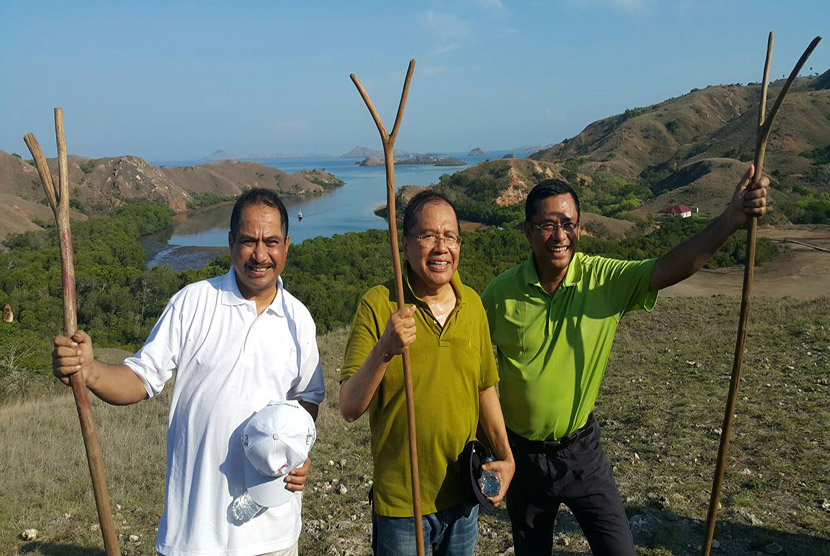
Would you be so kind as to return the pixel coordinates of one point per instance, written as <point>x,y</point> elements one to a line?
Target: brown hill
<point>17,215</point>
<point>593,224</point>
<point>320,177</point>
<point>821,82</point>
<point>108,182</point>
<point>19,178</point>
<point>504,182</point>
<point>103,183</point>
<point>705,126</point>
<point>801,125</point>
<point>628,143</point>
<point>706,185</point>
<point>230,177</point>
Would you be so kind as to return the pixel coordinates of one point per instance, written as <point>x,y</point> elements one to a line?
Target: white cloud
<point>443,49</point>
<point>444,26</point>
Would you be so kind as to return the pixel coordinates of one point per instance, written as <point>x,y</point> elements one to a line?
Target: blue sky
<point>177,80</point>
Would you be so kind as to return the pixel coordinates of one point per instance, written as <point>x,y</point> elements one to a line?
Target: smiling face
<point>432,265</point>
<point>258,252</point>
<point>553,251</point>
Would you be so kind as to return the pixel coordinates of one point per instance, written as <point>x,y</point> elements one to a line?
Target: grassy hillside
<point>661,407</point>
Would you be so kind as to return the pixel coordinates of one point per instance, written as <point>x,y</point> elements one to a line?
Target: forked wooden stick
<point>388,155</point>
<point>58,195</point>
<point>764,124</point>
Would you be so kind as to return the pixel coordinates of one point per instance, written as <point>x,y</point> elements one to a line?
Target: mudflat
<point>799,271</point>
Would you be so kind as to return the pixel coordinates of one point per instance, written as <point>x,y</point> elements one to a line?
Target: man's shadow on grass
<point>683,536</point>
<point>59,549</point>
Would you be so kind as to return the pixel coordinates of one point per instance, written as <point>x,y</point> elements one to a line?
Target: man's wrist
<point>92,375</point>
<point>386,355</point>
<point>730,219</point>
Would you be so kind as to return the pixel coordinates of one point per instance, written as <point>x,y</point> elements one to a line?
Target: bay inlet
<point>198,237</point>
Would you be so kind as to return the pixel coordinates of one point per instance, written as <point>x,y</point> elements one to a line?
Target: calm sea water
<point>198,237</point>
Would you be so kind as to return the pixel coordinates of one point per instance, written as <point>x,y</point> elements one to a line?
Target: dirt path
<point>798,271</point>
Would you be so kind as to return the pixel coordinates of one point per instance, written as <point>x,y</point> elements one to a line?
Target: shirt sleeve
<point>487,302</point>
<point>364,334</point>
<point>629,282</point>
<point>157,360</point>
<point>311,386</point>
<point>489,372</point>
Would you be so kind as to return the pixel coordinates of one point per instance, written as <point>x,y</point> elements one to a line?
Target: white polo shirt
<point>229,363</point>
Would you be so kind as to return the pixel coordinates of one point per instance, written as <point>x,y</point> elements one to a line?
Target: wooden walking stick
<point>58,196</point>
<point>388,155</point>
<point>764,125</point>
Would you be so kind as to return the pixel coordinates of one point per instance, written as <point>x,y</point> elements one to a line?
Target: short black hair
<point>258,196</point>
<point>545,189</point>
<point>416,205</point>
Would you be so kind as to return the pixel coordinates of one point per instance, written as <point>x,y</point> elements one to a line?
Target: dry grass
<point>662,399</point>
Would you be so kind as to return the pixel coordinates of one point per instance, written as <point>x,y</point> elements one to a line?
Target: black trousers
<point>578,475</point>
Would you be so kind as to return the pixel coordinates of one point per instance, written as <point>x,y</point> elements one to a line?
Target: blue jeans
<point>451,532</point>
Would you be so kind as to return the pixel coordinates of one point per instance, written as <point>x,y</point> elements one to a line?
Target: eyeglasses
<point>550,228</point>
<point>430,240</point>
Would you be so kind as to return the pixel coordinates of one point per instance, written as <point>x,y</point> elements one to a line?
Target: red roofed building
<point>681,211</point>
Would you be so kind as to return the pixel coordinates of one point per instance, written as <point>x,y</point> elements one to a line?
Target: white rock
<point>29,534</point>
<point>343,489</point>
<point>133,538</point>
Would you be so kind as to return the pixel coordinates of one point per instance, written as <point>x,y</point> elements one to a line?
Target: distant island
<point>427,160</point>
<point>476,152</point>
<point>365,152</point>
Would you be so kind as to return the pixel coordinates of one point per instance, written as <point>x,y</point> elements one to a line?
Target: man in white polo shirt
<point>234,344</point>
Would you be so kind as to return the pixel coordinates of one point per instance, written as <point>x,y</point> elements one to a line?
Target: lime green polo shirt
<point>553,349</point>
<point>450,365</point>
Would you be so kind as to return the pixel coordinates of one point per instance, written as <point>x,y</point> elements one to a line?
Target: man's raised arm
<point>115,384</point>
<point>748,200</point>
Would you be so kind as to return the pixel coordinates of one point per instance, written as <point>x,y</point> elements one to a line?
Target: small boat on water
<point>300,215</point>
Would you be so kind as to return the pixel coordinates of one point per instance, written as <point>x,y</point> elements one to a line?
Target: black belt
<point>550,446</point>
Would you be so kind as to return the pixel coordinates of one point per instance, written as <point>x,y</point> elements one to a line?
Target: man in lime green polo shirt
<point>553,320</point>
<point>453,374</point>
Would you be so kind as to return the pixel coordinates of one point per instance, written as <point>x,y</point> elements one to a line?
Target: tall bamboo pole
<point>764,125</point>
<point>58,195</point>
<point>388,141</point>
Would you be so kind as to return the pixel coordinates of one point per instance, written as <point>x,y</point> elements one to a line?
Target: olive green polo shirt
<point>450,365</point>
<point>553,349</point>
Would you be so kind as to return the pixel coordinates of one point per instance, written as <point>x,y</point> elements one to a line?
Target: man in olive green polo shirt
<point>453,374</point>
<point>553,320</point>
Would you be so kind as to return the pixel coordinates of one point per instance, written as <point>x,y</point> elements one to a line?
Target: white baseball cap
<point>276,440</point>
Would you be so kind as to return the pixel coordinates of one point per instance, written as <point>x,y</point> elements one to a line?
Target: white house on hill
<point>681,211</point>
